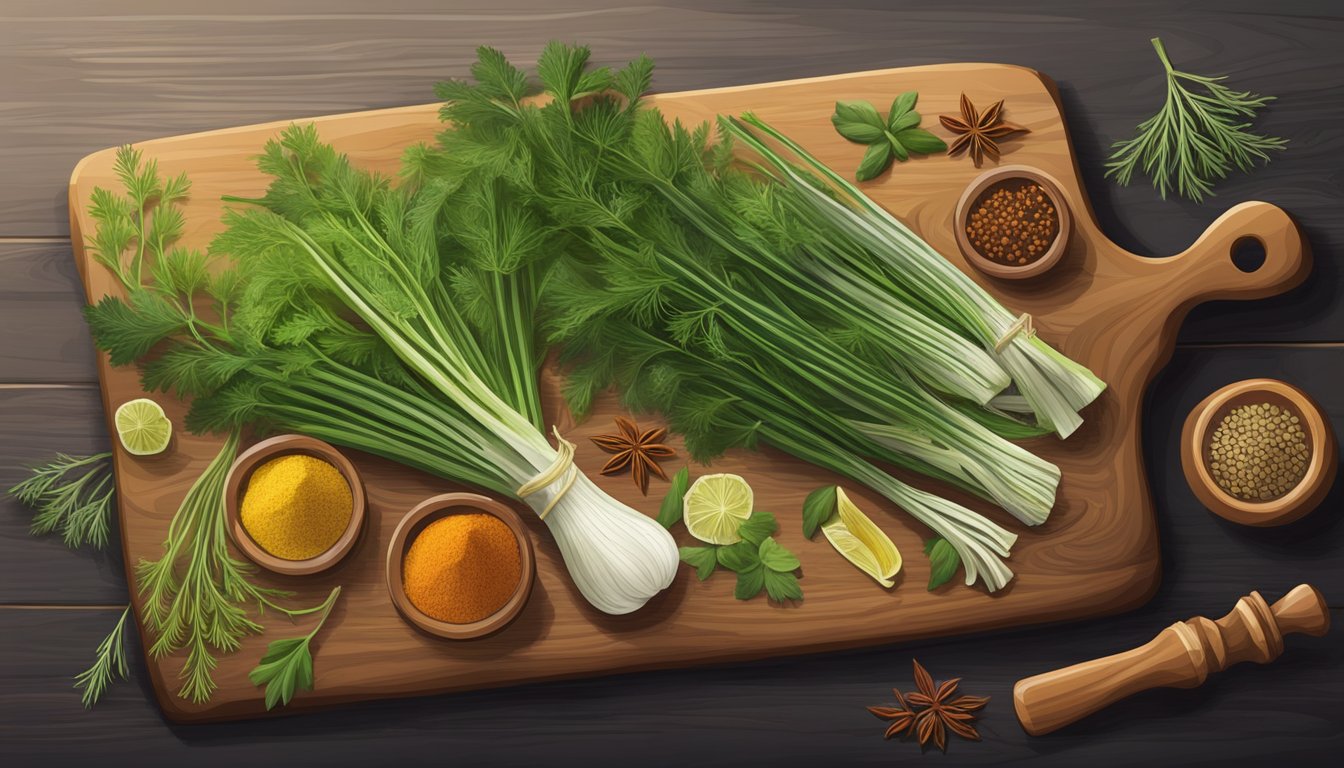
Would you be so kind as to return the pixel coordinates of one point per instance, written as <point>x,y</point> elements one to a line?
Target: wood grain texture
<point>43,336</point>
<point>85,74</point>
<point>146,68</point>
<point>1114,312</point>
<point>787,712</point>
<point>1181,656</point>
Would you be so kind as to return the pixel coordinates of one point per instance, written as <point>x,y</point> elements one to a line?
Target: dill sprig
<point>73,496</point>
<point>1197,137</point>
<point>109,661</point>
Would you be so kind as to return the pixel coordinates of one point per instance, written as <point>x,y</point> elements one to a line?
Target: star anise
<point>638,450</point>
<point>932,712</point>
<point>980,131</point>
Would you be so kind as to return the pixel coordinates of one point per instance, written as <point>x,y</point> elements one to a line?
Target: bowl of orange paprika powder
<point>460,566</point>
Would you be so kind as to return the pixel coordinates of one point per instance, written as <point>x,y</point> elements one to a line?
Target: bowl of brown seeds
<point>1013,222</point>
<point>1258,452</point>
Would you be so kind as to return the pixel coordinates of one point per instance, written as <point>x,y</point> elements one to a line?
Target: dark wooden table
<point>81,75</point>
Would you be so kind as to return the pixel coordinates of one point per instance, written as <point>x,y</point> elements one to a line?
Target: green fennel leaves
<point>1199,135</point>
<point>895,138</point>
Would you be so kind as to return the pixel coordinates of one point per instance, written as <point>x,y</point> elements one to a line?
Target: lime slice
<point>142,427</point>
<point>861,542</point>
<point>715,506</point>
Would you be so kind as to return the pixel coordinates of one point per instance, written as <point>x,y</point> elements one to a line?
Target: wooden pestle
<point>1181,656</point>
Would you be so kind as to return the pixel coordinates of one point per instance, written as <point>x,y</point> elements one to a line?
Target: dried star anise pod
<point>932,712</point>
<point>980,131</point>
<point>640,451</point>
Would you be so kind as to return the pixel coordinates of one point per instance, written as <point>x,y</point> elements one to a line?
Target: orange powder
<point>462,568</point>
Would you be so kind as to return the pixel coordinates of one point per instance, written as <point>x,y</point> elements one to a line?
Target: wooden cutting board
<point>1098,553</point>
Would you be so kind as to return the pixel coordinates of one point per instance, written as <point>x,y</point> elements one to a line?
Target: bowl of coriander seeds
<point>1258,452</point>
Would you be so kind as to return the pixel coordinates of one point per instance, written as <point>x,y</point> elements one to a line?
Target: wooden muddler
<point>1181,656</point>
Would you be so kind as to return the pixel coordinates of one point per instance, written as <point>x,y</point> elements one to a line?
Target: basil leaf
<point>749,583</point>
<point>702,559</point>
<point>920,141</point>
<point>858,121</point>
<point>908,120</point>
<point>900,109</point>
<point>782,586</point>
<point>817,509</point>
<point>943,561</point>
<point>776,558</point>
<point>874,162</point>
<point>674,502</point>
<point>739,557</point>
<point>898,148</point>
<point>757,528</point>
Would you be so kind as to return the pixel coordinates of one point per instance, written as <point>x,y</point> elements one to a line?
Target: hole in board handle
<point>1248,253</point>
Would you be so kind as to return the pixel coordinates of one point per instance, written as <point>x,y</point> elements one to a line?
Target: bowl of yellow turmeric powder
<point>460,566</point>
<point>294,505</point>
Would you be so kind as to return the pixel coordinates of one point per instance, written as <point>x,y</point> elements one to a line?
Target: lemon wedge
<point>861,542</point>
<point>715,506</point>
<point>142,426</point>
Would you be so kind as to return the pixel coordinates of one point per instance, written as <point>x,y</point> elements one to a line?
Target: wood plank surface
<point>40,301</point>
<point>1110,310</point>
<point>85,74</point>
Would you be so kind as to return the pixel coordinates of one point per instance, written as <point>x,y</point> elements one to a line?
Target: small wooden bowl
<point>236,485</point>
<point>415,521</point>
<point>1010,176</point>
<point>1309,491</point>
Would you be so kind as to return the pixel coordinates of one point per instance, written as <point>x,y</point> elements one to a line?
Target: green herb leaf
<point>109,662</point>
<point>920,141</point>
<point>749,583</point>
<point>900,112</point>
<point>775,557</point>
<point>875,160</point>
<point>781,586</point>
<point>907,120</point>
<point>943,561</point>
<point>739,557</point>
<point>286,667</point>
<point>669,514</point>
<point>702,559</point>
<point>858,121</point>
<point>897,148</point>
<point>757,528</point>
<point>817,509</point>
<point>1201,132</point>
<point>126,331</point>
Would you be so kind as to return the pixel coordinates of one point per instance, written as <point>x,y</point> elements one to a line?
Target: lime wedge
<point>142,427</point>
<point>861,542</point>
<point>715,506</point>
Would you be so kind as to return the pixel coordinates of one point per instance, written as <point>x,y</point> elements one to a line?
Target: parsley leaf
<point>740,557</point>
<point>781,586</point>
<point>817,509</point>
<point>669,514</point>
<point>702,559</point>
<point>749,583</point>
<point>757,528</point>
<point>776,558</point>
<point>943,561</point>
<point>287,666</point>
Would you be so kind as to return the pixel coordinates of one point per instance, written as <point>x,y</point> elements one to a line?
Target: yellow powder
<point>462,568</point>
<point>296,506</point>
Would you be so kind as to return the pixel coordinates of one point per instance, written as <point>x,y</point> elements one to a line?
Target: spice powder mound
<point>296,507</point>
<point>462,568</point>
<point>1259,452</point>
<point>1013,226</point>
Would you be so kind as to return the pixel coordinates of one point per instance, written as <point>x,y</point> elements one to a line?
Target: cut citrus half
<point>143,428</point>
<point>861,542</point>
<point>715,506</point>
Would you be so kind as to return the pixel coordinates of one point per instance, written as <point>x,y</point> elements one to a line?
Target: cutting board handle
<point>1206,270</point>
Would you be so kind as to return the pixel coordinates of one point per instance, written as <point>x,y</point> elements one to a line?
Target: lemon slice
<point>861,542</point>
<point>143,428</point>
<point>715,506</point>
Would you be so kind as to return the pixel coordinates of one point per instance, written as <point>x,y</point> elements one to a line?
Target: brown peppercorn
<point>1013,225</point>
